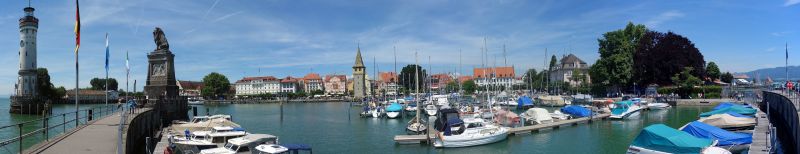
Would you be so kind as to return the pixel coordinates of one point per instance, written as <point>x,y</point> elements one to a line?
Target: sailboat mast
<point>416,83</point>
<point>395,72</point>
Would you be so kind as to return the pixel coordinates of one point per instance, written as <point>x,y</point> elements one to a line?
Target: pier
<point>98,136</point>
<point>778,124</point>
<point>412,139</point>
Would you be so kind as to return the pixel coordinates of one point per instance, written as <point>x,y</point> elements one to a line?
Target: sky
<point>292,38</point>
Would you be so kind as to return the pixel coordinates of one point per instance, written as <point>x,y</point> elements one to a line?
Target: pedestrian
<point>186,133</point>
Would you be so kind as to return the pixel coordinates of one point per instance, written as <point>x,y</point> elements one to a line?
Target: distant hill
<point>777,73</point>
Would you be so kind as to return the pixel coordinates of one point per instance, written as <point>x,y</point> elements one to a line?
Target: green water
<point>336,128</point>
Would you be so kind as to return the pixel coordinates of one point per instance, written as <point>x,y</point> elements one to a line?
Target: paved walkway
<point>99,136</point>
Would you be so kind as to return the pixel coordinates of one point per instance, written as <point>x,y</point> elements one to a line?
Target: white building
<point>563,72</point>
<point>335,84</point>
<point>312,82</point>
<point>497,76</point>
<point>257,85</point>
<point>289,85</point>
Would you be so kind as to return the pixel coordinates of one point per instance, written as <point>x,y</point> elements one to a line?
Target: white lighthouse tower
<point>28,26</point>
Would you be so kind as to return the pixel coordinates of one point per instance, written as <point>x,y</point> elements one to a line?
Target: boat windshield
<point>231,147</point>
<point>474,125</point>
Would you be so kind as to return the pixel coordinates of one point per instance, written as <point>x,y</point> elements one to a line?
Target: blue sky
<point>279,38</point>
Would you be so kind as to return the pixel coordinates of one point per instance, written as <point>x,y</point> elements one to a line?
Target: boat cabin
<point>449,122</point>
<point>221,134</point>
<point>243,144</point>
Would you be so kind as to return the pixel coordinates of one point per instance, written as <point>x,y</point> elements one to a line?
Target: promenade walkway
<point>99,136</point>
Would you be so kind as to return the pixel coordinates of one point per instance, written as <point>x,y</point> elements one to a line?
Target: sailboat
<point>416,125</point>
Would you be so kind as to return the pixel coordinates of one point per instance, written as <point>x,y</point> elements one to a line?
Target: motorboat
<point>537,116</point>
<point>431,109</point>
<point>624,109</point>
<point>558,115</point>
<point>204,123</point>
<point>200,140</point>
<point>411,108</point>
<point>730,121</point>
<point>195,101</point>
<point>734,142</point>
<point>658,106</point>
<point>222,134</point>
<point>729,104</point>
<point>553,100</point>
<point>198,119</point>
<point>242,145</point>
<point>440,100</point>
<point>270,149</point>
<point>393,110</point>
<point>369,111</point>
<point>576,111</point>
<point>662,139</point>
<point>455,132</point>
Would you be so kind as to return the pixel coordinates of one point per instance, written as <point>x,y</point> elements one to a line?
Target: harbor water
<point>337,128</point>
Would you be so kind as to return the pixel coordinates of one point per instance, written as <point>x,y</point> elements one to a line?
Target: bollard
<point>64,117</point>
<point>89,115</point>
<point>45,128</point>
<point>20,138</point>
<point>194,111</point>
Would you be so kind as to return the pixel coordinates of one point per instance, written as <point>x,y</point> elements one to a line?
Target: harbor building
<point>312,82</point>
<point>387,83</point>
<point>359,78</point>
<point>91,96</point>
<point>257,85</point>
<point>495,76</point>
<point>335,85</point>
<point>190,88</point>
<point>290,85</point>
<point>569,64</point>
<point>439,81</point>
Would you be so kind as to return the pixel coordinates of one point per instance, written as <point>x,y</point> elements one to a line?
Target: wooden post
<point>21,138</point>
<point>45,128</point>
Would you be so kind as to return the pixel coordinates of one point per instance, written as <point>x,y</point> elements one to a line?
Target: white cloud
<point>664,17</point>
<point>791,2</point>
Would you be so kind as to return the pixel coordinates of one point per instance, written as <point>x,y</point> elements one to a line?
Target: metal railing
<point>43,125</point>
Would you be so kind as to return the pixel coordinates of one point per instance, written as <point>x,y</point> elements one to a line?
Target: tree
<point>712,71</point>
<point>407,78</point>
<point>452,86</point>
<point>214,85</point>
<point>43,85</point>
<point>553,62</point>
<point>578,76</point>
<point>727,77</point>
<point>100,84</point>
<point>532,78</point>
<point>686,81</point>
<point>662,55</point>
<point>615,67</point>
<point>469,87</point>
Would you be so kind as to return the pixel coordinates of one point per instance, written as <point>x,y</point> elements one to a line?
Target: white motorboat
<point>453,132</point>
<point>558,115</point>
<point>270,149</point>
<point>200,140</point>
<point>242,145</point>
<point>393,110</point>
<point>440,100</point>
<point>624,109</point>
<point>537,116</point>
<point>195,101</point>
<point>553,100</point>
<point>411,108</point>
<point>658,106</point>
<point>431,109</point>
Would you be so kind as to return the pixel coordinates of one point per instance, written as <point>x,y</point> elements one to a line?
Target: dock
<point>760,134</point>
<point>415,139</point>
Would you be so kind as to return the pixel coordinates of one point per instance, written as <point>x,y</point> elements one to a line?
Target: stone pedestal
<point>161,75</point>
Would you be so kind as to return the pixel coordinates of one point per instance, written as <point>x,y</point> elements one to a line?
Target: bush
<point>710,91</point>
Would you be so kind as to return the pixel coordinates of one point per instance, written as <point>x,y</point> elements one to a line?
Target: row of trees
<point>638,56</point>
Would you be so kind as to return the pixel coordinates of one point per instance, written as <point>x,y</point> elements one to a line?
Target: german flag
<point>77,27</point>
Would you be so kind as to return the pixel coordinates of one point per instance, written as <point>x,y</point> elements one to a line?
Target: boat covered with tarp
<point>729,104</point>
<point>729,140</point>
<point>205,125</point>
<point>729,122</point>
<point>576,111</point>
<point>735,109</point>
<point>524,102</point>
<point>394,107</point>
<point>660,138</point>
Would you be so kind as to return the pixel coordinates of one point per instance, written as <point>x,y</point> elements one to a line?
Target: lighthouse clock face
<point>21,43</point>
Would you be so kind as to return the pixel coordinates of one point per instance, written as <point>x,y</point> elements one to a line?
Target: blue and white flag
<point>107,53</point>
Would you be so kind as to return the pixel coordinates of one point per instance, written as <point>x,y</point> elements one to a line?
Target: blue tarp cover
<point>723,137</point>
<point>577,111</point>
<point>663,138</point>
<point>735,108</point>
<point>524,101</point>
<point>728,104</point>
<point>394,107</point>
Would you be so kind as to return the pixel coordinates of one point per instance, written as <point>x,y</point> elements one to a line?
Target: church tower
<point>28,27</point>
<point>359,87</point>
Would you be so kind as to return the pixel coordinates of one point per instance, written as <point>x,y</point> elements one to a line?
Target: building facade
<point>290,85</point>
<point>257,85</point>
<point>494,76</point>
<point>439,81</point>
<point>312,82</point>
<point>190,88</point>
<point>567,66</point>
<point>335,84</point>
<point>359,78</point>
<point>387,83</point>
<point>28,27</point>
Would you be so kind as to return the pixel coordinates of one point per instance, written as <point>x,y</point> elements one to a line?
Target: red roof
<point>263,78</point>
<point>191,84</point>
<point>388,76</point>
<point>312,76</point>
<point>341,77</point>
<point>500,72</point>
<point>288,79</point>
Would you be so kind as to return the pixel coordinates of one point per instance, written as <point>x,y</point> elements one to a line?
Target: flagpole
<point>77,46</point>
<point>106,70</point>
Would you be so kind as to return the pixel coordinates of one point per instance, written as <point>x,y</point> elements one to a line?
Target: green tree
<point>615,67</point>
<point>452,86</point>
<point>727,77</point>
<point>532,78</point>
<point>712,70</point>
<point>100,84</point>
<point>43,85</point>
<point>407,78</point>
<point>686,81</point>
<point>661,55</point>
<point>215,85</point>
<point>553,62</point>
<point>469,87</point>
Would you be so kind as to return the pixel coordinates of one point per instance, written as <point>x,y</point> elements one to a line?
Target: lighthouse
<point>28,27</point>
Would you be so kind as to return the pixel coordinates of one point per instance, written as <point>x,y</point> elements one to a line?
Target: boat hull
<point>625,115</point>
<point>393,114</point>
<point>469,142</point>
